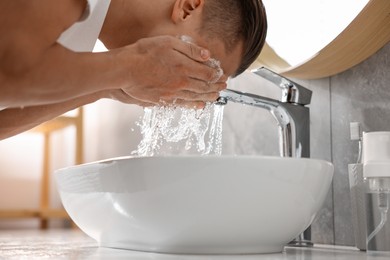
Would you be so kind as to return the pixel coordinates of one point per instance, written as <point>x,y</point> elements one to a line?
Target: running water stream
<point>162,126</point>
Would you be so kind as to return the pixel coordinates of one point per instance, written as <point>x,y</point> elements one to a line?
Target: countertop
<point>73,244</point>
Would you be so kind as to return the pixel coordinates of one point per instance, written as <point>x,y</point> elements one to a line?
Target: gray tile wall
<point>360,94</point>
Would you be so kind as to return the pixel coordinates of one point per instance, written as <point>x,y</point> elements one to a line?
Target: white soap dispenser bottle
<point>376,172</point>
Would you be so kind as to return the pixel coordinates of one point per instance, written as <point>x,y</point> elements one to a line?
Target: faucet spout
<point>291,92</point>
<point>291,114</point>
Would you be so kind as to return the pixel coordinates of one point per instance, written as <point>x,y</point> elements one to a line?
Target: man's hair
<point>234,21</point>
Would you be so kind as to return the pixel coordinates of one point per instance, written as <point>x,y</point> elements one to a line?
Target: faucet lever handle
<point>291,92</point>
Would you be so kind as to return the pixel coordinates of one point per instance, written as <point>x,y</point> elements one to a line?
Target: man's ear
<point>184,9</point>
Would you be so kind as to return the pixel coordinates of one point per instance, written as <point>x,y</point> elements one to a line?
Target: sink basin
<point>195,205</point>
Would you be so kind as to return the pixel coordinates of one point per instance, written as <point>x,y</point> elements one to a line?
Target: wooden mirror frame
<point>364,36</point>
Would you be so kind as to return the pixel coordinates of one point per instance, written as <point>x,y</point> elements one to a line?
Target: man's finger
<point>191,50</point>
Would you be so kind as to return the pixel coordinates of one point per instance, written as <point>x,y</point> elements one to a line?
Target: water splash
<point>162,126</point>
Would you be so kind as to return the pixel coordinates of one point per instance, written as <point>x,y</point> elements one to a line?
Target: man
<point>42,75</point>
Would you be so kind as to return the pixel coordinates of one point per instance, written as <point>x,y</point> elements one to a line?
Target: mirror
<point>298,29</point>
<point>319,38</point>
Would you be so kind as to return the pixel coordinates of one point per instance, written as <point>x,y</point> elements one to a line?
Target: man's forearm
<point>17,120</point>
<point>61,75</point>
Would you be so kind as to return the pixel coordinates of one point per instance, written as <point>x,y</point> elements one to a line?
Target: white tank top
<point>82,36</point>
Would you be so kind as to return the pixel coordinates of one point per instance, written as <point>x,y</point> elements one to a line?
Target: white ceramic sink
<point>195,205</point>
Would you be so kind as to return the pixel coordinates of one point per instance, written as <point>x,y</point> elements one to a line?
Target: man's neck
<point>128,21</point>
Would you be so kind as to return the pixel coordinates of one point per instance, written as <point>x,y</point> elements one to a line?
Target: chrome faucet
<point>292,117</point>
<point>291,114</point>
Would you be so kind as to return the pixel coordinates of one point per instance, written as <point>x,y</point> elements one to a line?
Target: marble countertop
<point>73,244</point>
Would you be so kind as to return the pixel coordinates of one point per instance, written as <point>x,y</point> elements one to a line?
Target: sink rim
<point>176,157</point>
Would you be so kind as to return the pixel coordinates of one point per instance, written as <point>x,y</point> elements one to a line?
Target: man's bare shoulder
<point>28,28</point>
<point>46,19</point>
